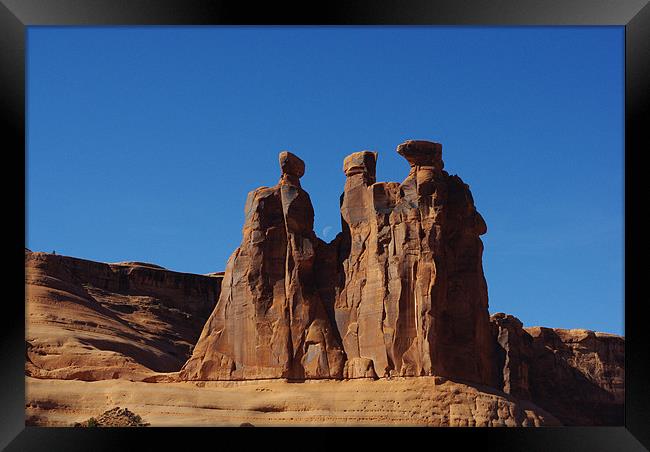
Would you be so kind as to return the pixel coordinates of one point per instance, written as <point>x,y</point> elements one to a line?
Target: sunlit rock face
<point>400,292</point>
<point>410,292</point>
<point>92,321</point>
<point>269,321</point>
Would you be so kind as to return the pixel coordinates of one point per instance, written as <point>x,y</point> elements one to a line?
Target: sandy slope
<point>423,401</point>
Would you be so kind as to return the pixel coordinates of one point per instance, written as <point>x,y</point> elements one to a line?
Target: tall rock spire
<point>412,298</point>
<point>269,321</point>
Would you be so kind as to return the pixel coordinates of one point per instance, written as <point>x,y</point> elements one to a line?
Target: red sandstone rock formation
<point>412,298</point>
<point>513,355</point>
<point>269,321</point>
<point>91,321</point>
<point>578,375</point>
<point>402,285</point>
<point>399,292</point>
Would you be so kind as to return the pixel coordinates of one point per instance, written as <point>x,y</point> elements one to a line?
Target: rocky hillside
<point>91,321</point>
<point>578,375</point>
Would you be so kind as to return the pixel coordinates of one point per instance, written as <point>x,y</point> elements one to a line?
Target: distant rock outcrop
<point>578,375</point>
<point>92,321</point>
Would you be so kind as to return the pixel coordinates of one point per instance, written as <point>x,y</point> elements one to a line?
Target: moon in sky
<point>327,232</point>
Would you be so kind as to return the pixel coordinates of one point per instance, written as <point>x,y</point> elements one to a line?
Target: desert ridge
<point>93,321</point>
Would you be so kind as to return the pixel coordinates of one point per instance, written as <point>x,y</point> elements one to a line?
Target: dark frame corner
<point>17,15</point>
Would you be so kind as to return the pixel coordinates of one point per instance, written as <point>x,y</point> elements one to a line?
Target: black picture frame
<point>634,15</point>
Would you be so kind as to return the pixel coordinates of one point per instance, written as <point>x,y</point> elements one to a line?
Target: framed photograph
<point>374,214</point>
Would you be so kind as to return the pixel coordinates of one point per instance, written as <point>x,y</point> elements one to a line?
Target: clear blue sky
<point>144,142</point>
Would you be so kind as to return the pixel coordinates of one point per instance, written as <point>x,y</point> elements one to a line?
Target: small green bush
<point>92,422</point>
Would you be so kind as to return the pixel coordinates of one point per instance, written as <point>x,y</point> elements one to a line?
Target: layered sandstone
<point>89,320</point>
<point>578,375</point>
<point>423,401</point>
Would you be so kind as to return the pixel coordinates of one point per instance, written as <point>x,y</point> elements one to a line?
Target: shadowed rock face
<point>270,321</point>
<point>513,355</point>
<point>411,296</point>
<point>578,375</point>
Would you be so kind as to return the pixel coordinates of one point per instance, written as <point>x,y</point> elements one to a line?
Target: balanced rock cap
<point>363,162</point>
<point>421,153</point>
<point>291,164</point>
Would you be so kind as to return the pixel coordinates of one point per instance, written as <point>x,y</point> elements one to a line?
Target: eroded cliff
<point>578,375</point>
<point>92,321</point>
